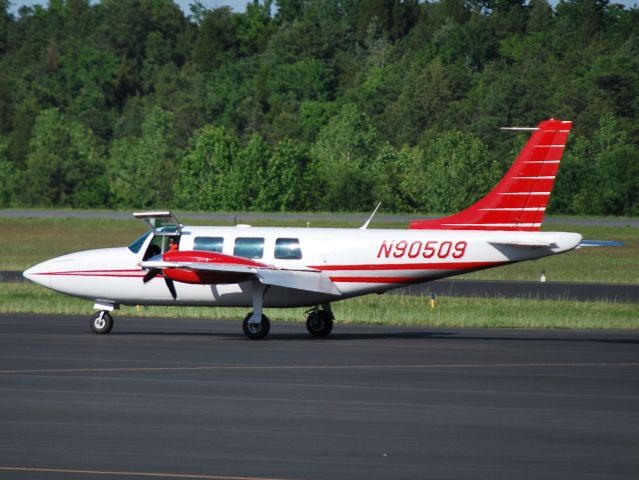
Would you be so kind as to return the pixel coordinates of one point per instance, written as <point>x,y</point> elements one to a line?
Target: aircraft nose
<point>37,273</point>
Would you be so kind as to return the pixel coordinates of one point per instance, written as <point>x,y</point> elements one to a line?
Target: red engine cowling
<point>205,277</point>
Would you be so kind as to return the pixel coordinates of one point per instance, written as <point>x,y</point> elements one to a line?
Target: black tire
<point>319,323</point>
<point>255,331</point>
<point>101,322</point>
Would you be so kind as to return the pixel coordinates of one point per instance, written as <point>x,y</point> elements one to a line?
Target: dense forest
<point>313,104</point>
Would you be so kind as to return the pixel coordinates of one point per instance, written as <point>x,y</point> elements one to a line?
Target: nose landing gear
<point>101,322</point>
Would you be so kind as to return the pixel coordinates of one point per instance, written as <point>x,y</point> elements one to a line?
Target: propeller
<point>171,286</point>
<point>154,272</point>
<point>151,274</point>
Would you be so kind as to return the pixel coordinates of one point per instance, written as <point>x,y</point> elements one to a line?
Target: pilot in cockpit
<point>173,245</point>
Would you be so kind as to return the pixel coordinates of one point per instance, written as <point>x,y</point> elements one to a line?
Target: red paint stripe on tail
<point>526,186</point>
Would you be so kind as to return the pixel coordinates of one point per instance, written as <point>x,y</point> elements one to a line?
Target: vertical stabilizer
<point>519,200</point>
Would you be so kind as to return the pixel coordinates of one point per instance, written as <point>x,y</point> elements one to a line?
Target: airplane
<point>259,267</point>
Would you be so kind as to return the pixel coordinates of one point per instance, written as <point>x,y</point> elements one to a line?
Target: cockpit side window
<point>138,242</point>
<point>154,248</point>
<point>161,244</point>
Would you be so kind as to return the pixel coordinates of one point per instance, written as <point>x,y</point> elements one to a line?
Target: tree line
<point>305,105</point>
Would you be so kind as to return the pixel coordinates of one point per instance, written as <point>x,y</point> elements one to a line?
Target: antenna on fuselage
<point>365,226</point>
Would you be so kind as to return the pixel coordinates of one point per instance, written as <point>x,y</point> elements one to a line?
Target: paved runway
<point>193,399</point>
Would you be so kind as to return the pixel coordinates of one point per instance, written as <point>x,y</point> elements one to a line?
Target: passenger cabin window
<point>209,244</point>
<point>249,247</point>
<point>288,249</point>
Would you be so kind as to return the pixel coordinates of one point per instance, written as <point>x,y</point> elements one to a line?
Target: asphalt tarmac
<point>161,398</point>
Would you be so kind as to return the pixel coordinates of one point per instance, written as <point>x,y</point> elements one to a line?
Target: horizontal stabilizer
<point>600,243</point>
<point>523,242</point>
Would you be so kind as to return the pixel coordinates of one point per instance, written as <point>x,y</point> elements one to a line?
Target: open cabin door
<point>164,226</point>
<point>162,223</point>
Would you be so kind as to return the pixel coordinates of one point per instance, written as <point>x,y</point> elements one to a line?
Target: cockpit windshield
<point>137,244</point>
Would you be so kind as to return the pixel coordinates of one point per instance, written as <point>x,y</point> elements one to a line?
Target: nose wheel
<point>101,322</point>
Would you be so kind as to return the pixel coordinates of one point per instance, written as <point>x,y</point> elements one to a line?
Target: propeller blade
<point>151,274</point>
<point>171,287</point>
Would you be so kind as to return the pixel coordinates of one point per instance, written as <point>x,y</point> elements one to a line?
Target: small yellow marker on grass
<point>432,300</point>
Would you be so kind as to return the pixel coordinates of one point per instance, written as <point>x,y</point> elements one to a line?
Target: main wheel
<point>256,331</point>
<point>319,323</point>
<point>101,322</point>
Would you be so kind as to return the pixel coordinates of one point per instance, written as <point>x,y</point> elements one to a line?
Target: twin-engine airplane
<point>243,266</point>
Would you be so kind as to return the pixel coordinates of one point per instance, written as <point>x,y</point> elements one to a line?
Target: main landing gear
<point>256,330</point>
<point>319,323</point>
<point>256,325</point>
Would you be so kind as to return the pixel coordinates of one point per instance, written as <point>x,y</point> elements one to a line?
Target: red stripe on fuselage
<point>97,273</point>
<point>410,266</point>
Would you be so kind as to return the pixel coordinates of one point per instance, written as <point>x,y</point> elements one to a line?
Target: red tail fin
<point>518,201</point>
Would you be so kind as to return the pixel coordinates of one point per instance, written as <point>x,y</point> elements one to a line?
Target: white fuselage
<point>357,261</point>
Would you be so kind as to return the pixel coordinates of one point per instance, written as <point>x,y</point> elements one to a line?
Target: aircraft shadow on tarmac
<point>395,335</point>
<point>274,337</point>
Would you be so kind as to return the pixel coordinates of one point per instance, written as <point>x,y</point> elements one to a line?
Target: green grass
<point>371,309</point>
<point>590,264</point>
<point>29,241</point>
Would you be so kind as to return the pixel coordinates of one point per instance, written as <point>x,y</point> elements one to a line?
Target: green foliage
<point>216,36</point>
<point>600,174</point>
<point>141,169</point>
<point>5,176</point>
<point>247,175</point>
<point>64,165</point>
<point>283,183</point>
<point>351,101</point>
<point>342,159</point>
<point>453,171</point>
<point>202,180</point>
<point>422,102</point>
<point>387,170</point>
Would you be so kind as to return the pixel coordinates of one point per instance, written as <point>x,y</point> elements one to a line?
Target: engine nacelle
<point>203,277</point>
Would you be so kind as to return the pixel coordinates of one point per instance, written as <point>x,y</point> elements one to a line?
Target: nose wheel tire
<point>319,323</point>
<point>256,331</point>
<point>101,322</point>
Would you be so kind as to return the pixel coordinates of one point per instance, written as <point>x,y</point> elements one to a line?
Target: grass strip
<point>371,309</point>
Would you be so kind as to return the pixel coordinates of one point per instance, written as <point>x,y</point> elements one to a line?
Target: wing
<point>218,268</point>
